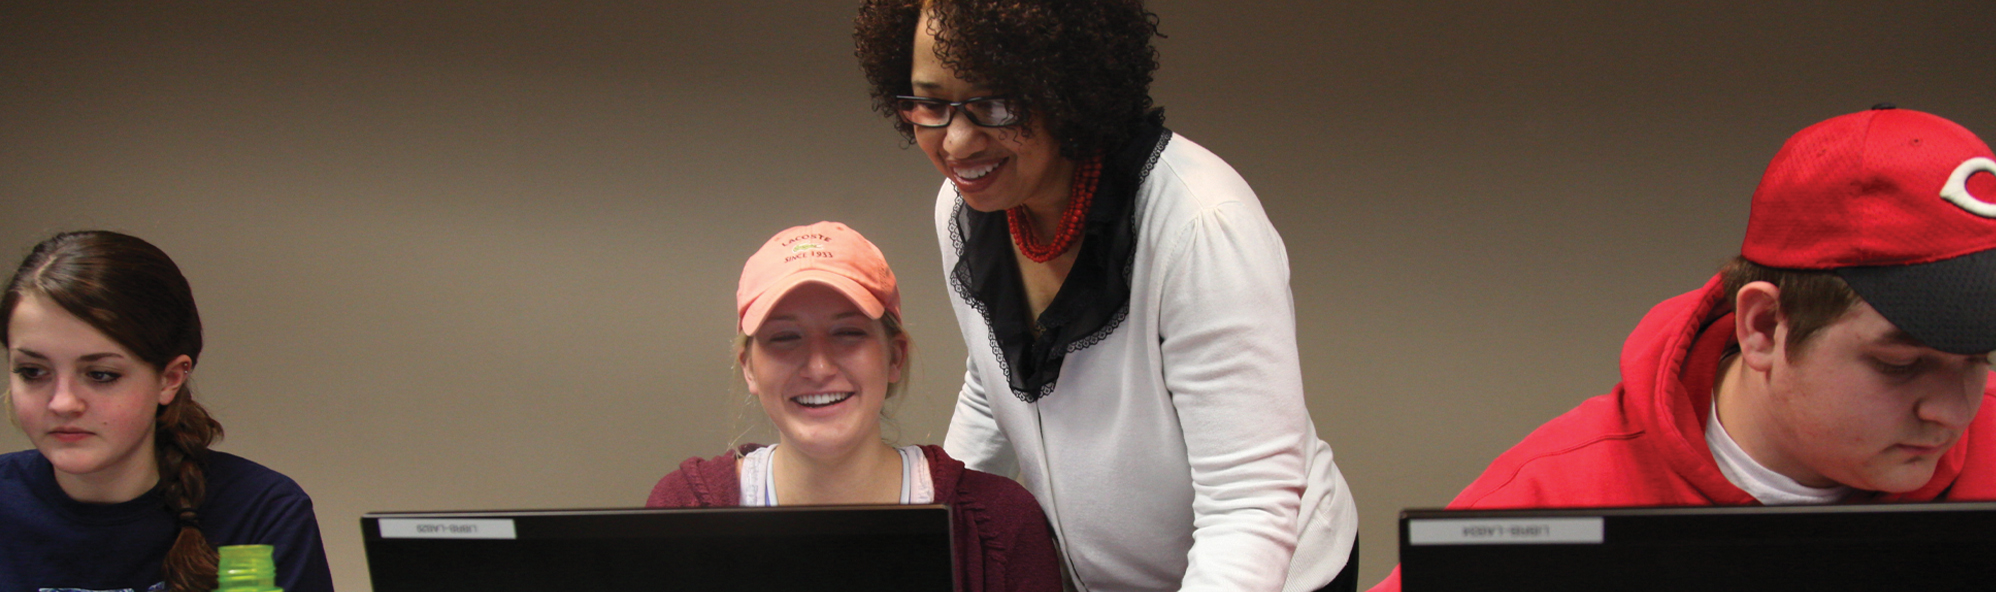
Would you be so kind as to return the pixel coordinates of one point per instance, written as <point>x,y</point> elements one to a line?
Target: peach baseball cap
<point>828,253</point>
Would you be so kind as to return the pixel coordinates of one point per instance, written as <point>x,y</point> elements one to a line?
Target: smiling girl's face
<point>86,402</point>
<point>821,368</point>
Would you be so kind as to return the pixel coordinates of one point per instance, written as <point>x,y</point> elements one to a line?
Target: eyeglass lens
<point>989,112</point>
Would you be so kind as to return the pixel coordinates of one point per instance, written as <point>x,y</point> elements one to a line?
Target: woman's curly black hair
<point>1083,66</point>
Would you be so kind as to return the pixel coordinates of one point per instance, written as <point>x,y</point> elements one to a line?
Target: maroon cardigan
<point>1002,539</point>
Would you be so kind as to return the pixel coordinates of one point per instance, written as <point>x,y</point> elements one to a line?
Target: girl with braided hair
<point>121,491</point>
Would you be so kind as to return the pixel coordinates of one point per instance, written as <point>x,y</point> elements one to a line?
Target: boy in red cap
<point>1842,357</point>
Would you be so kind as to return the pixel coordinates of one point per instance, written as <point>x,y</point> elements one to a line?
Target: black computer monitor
<point>1933,546</point>
<point>783,548</point>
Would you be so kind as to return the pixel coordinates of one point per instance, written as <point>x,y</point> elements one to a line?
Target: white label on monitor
<point>1504,531</point>
<point>431,528</point>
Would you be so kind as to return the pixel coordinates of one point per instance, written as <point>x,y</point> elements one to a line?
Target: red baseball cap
<point>828,253</point>
<point>1902,205</point>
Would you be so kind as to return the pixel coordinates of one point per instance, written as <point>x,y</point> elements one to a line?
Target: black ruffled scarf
<point>1094,298</point>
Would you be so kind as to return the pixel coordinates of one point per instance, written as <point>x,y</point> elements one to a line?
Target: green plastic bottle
<point>246,568</point>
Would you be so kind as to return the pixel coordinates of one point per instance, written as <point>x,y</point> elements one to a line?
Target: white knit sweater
<point>1177,453</point>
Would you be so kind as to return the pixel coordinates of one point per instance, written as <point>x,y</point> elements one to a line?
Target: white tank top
<point>759,478</point>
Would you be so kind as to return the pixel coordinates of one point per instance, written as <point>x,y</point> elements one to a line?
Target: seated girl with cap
<point>121,491</point>
<point>822,349</point>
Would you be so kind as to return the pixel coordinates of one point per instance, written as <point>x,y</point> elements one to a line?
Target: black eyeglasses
<point>983,111</point>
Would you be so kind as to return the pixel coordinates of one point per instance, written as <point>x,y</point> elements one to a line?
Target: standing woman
<point>1123,297</point>
<point>121,491</point>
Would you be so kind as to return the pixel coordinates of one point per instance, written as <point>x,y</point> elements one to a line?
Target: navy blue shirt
<point>51,542</point>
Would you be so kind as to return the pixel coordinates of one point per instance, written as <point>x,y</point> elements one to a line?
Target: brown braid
<point>182,437</point>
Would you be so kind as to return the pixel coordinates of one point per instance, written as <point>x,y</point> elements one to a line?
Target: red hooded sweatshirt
<point>1644,443</point>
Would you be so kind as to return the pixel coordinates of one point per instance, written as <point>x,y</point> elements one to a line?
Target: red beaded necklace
<point>1078,199</point>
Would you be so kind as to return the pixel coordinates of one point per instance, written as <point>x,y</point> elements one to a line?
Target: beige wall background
<point>481,254</point>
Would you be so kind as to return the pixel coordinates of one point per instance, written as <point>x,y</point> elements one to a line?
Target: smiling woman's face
<point>85,401</point>
<point>995,168</point>
<point>821,368</point>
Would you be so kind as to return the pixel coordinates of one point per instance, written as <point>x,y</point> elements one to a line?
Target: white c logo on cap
<point>1956,189</point>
